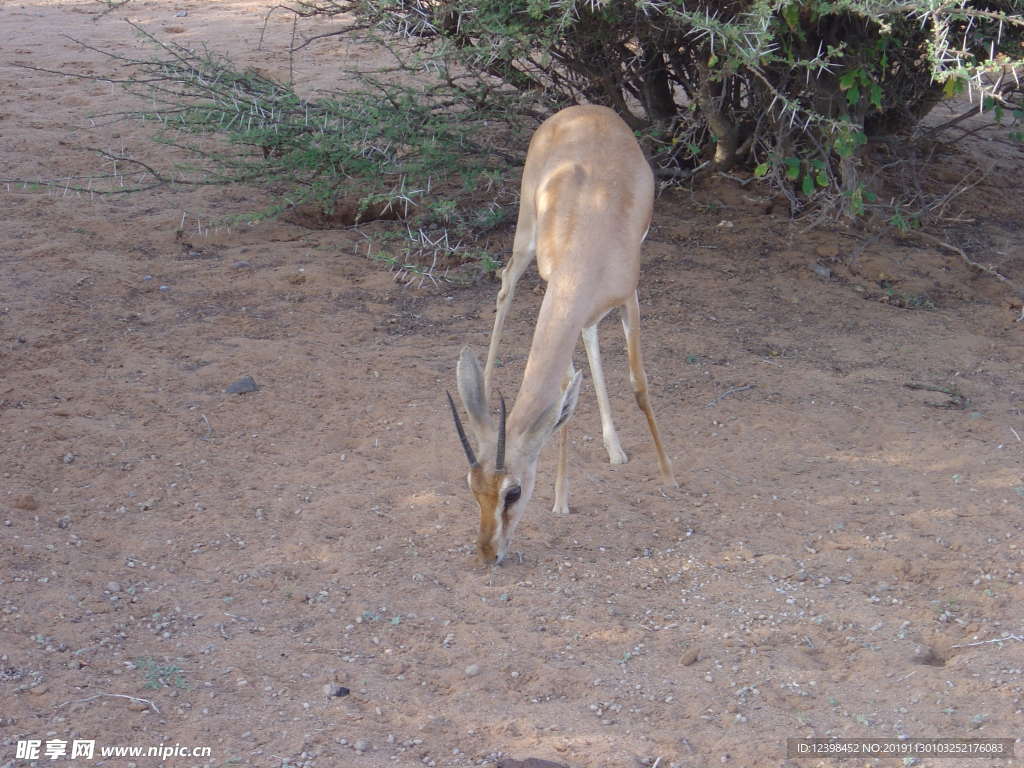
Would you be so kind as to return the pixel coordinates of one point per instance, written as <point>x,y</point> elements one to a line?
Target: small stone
<point>113,586</point>
<point>361,745</point>
<point>333,690</point>
<point>39,690</point>
<point>823,272</point>
<point>242,386</point>
<point>27,502</point>
<point>138,706</point>
<point>690,656</point>
<point>64,522</point>
<point>69,458</point>
<point>241,265</point>
<point>472,670</point>
<point>181,14</point>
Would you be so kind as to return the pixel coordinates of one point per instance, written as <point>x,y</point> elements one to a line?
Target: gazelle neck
<point>558,329</point>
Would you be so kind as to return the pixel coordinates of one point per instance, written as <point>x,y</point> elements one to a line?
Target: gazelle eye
<point>513,494</point>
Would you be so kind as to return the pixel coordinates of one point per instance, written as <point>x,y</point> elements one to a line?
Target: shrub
<point>792,90</point>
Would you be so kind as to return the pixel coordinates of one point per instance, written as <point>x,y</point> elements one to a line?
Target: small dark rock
<point>241,265</point>
<point>64,522</point>
<point>336,691</point>
<point>26,502</point>
<point>242,386</point>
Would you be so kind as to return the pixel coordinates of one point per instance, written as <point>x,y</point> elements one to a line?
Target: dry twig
<point>111,695</point>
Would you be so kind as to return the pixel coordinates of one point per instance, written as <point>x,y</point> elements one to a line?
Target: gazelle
<point>586,203</point>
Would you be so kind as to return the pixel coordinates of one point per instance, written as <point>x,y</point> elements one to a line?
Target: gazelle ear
<point>570,397</point>
<point>471,388</point>
<point>552,418</point>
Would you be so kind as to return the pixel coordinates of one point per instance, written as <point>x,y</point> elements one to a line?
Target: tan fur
<point>485,487</point>
<point>586,203</point>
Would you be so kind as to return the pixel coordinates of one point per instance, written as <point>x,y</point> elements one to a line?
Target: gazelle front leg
<point>638,377</point>
<point>611,439</point>
<point>561,506</point>
<point>523,253</point>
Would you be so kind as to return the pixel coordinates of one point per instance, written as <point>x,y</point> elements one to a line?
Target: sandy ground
<point>185,566</point>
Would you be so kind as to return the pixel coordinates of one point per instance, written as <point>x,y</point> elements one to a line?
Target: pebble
<point>26,502</point>
<point>361,745</point>
<point>335,690</point>
<point>138,706</point>
<point>823,272</point>
<point>472,670</point>
<point>113,586</point>
<point>242,386</point>
<point>39,690</point>
<point>690,655</point>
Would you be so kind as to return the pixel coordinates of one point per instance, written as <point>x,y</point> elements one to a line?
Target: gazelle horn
<point>462,433</point>
<point>499,462</point>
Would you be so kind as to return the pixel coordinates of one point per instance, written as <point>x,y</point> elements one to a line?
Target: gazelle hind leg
<point>524,251</point>
<point>611,439</point>
<point>561,506</point>
<point>638,377</point>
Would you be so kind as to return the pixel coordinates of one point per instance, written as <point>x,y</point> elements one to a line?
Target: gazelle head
<point>503,468</point>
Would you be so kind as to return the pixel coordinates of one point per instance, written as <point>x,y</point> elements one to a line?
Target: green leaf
<point>853,96</point>
<point>762,170</point>
<point>713,60</point>
<point>822,179</point>
<point>848,80</point>
<point>808,185</point>
<point>791,13</point>
<point>847,141</point>
<point>792,168</point>
<point>857,201</point>
<point>875,95</point>
<point>953,86</point>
